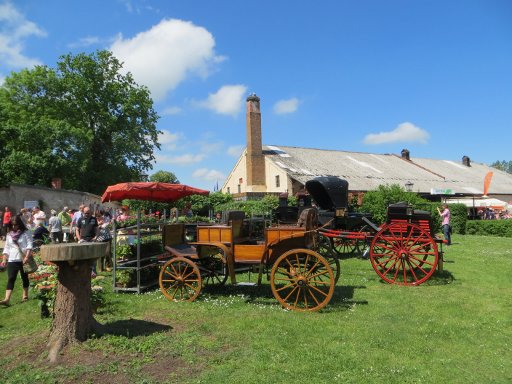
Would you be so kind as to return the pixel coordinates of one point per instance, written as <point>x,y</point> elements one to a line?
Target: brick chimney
<point>406,154</point>
<point>255,160</point>
<point>466,161</point>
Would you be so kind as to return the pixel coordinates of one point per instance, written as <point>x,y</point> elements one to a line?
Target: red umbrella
<point>164,192</point>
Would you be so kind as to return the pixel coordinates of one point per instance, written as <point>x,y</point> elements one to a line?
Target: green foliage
<point>501,228</point>
<point>377,201</point>
<point>164,177</point>
<point>263,206</point>
<point>503,165</point>
<point>82,121</point>
<point>459,217</point>
<point>126,277</point>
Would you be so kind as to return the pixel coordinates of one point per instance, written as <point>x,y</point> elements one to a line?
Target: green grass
<point>457,328</point>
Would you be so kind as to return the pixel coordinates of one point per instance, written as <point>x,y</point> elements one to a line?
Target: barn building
<point>276,169</point>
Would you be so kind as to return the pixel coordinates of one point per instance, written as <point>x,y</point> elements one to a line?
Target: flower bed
<point>44,285</point>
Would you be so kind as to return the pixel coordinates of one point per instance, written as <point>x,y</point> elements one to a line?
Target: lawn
<point>457,328</point>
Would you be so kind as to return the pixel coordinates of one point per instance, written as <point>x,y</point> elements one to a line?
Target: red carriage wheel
<point>302,280</point>
<point>404,253</point>
<point>180,280</point>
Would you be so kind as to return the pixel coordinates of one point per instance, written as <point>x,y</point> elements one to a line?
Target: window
<point>229,190</point>
<point>278,183</point>
<point>239,189</point>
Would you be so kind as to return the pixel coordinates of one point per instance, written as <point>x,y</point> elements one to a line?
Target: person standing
<point>86,226</point>
<point>17,251</point>
<point>75,219</point>
<point>65,220</point>
<point>6,222</point>
<point>446,216</point>
<point>39,217</point>
<point>55,227</point>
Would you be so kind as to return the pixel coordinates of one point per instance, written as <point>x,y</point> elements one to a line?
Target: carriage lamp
<point>408,186</point>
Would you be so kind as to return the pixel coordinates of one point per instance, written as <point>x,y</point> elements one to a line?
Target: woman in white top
<point>17,251</point>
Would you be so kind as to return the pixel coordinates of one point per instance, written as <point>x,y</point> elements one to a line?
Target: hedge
<point>501,228</point>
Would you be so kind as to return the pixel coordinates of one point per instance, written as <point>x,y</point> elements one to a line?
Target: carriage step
<point>247,284</point>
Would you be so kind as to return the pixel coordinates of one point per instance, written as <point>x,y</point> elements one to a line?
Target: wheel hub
<point>302,281</point>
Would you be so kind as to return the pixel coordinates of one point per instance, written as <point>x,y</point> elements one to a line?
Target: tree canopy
<point>83,122</point>
<point>376,202</point>
<point>164,177</point>
<point>503,165</point>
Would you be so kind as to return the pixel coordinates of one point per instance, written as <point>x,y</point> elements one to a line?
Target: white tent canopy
<point>480,202</point>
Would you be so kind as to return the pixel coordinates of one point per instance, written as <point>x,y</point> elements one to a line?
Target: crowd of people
<point>489,213</point>
<point>30,228</point>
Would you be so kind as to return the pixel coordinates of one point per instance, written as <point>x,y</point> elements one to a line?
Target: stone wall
<point>15,196</point>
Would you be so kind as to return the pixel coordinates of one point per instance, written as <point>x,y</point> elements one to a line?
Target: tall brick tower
<point>255,160</point>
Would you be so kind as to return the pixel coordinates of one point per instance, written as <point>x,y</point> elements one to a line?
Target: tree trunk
<point>73,321</point>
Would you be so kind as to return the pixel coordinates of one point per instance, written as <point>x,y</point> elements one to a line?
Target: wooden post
<point>73,321</point>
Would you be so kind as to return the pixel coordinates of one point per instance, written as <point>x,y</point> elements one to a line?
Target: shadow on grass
<point>343,296</point>
<point>437,278</point>
<point>133,328</point>
<point>441,278</point>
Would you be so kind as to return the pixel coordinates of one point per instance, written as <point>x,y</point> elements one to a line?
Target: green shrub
<point>459,217</point>
<point>376,202</point>
<point>501,228</point>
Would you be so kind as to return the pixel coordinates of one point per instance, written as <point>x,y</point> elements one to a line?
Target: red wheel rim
<point>404,254</point>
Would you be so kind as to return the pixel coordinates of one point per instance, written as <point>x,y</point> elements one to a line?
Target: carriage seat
<point>182,250</point>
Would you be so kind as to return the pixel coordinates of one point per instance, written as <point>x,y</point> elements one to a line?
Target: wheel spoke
<point>319,274</point>
<point>284,287</point>
<point>293,290</point>
<point>318,290</point>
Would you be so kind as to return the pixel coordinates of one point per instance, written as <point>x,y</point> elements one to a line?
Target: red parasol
<point>152,191</point>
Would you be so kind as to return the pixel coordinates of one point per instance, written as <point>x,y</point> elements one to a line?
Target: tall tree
<point>83,121</point>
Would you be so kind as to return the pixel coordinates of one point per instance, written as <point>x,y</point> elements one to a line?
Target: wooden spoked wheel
<point>404,254</point>
<point>302,280</point>
<point>213,267</point>
<point>180,280</point>
<point>324,248</point>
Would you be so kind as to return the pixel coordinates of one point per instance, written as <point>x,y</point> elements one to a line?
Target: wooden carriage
<point>300,278</point>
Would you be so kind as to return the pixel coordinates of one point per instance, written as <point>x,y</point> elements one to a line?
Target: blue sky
<point>376,76</point>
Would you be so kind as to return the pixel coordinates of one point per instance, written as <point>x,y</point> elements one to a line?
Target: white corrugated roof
<point>366,171</point>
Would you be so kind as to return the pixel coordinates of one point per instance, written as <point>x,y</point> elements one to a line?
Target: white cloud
<point>208,174</point>
<point>405,132</point>
<point>171,111</point>
<point>226,101</point>
<point>235,150</point>
<point>185,159</point>
<point>168,140</point>
<point>286,106</point>
<point>15,28</point>
<point>162,57</point>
